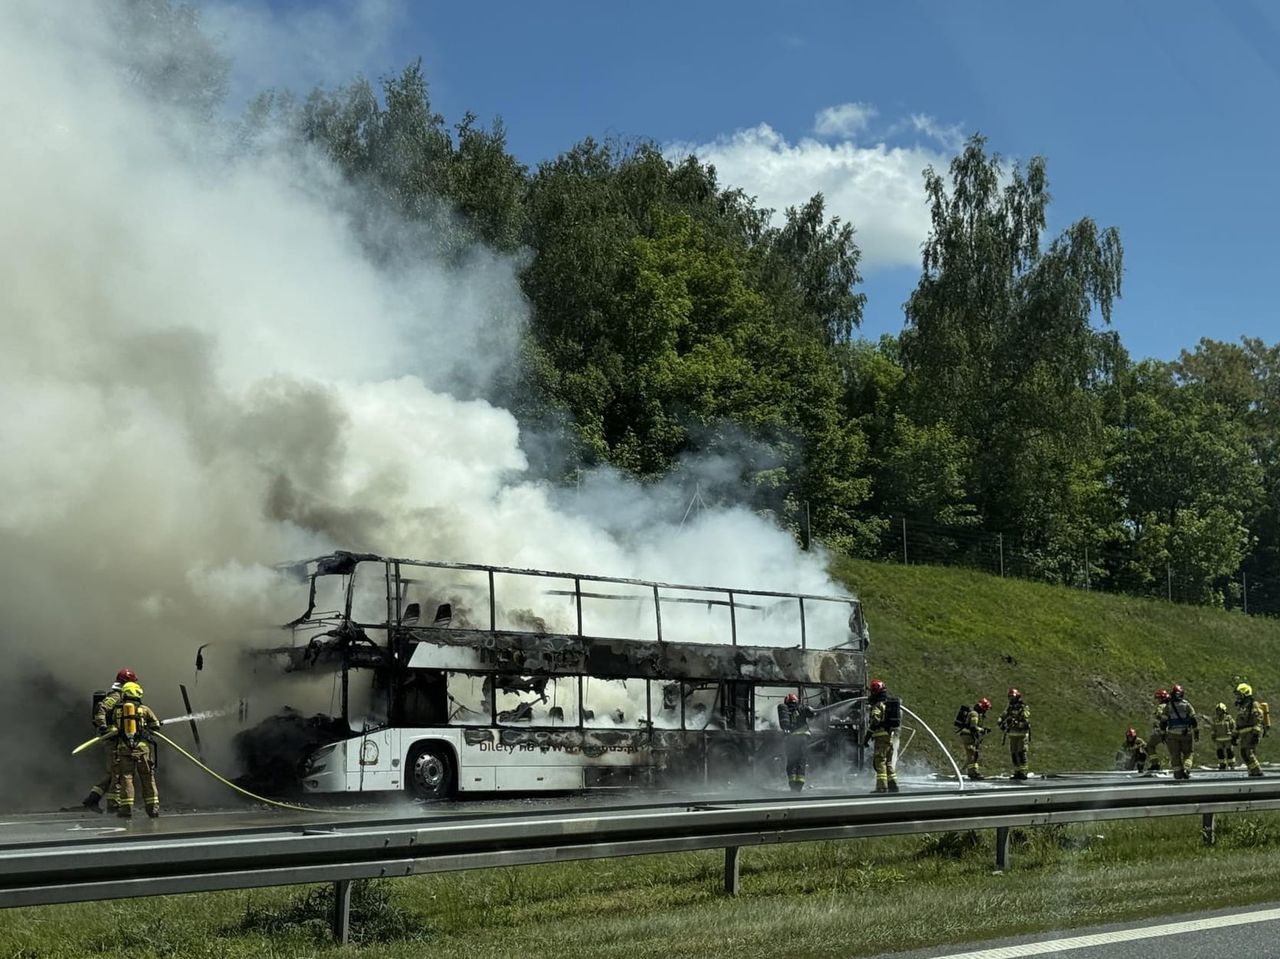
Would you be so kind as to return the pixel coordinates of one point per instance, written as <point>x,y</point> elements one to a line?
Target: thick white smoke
<point>202,375</point>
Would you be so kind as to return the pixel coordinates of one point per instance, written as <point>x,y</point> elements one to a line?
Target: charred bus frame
<point>411,662</point>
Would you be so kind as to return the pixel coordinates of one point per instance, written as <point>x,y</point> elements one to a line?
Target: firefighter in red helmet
<point>103,704</point>
<point>1015,723</point>
<point>1134,753</point>
<point>969,726</point>
<point>1179,729</point>
<point>883,721</point>
<point>793,720</point>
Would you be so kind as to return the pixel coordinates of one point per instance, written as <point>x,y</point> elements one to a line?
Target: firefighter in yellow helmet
<point>969,726</point>
<point>106,786</point>
<point>134,750</point>
<point>1249,727</point>
<point>1179,727</point>
<point>1015,723</point>
<point>882,726</point>
<point>1224,736</point>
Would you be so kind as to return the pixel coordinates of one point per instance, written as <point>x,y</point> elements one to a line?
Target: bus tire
<point>432,772</point>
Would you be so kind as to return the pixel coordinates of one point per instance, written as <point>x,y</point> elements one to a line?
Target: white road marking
<point>1122,935</point>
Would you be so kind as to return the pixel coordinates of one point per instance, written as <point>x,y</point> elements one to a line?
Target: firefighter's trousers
<point>1018,753</point>
<point>882,762</point>
<point>1180,749</point>
<point>106,786</point>
<point>972,748</point>
<point>136,760</point>
<point>1249,752</point>
<point>1226,755</point>
<point>795,745</point>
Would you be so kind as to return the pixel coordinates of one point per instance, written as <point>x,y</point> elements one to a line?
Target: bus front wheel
<point>431,772</point>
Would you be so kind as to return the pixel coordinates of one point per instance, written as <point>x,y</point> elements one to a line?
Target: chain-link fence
<point>1163,576</point>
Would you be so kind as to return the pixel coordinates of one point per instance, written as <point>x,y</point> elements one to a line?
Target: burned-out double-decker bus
<point>457,678</point>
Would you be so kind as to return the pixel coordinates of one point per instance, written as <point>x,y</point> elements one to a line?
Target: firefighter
<point>1157,737</point>
<point>1224,736</point>
<point>106,786</point>
<point>882,725</point>
<point>793,720</point>
<point>1250,725</point>
<point>134,750</point>
<point>971,731</point>
<point>1015,723</point>
<point>1179,727</point>
<point>1134,754</point>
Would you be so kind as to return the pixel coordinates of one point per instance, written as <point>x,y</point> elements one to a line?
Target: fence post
<point>1168,574</point>
<point>1244,593</point>
<point>1087,584</point>
<point>1002,848</point>
<point>731,870</point>
<point>904,541</point>
<point>1207,828</point>
<point>1001,536</point>
<point>342,911</point>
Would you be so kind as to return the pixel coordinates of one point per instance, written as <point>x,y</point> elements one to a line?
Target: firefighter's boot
<point>124,812</point>
<point>93,802</point>
<point>153,812</point>
<point>1256,773</point>
<point>976,775</point>
<point>893,785</point>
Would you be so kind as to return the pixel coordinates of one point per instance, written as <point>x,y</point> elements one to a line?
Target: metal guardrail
<point>114,868</point>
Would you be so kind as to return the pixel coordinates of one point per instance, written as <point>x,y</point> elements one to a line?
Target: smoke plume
<point>204,375</point>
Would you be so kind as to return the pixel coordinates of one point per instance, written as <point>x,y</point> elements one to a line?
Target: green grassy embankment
<point>1087,663</point>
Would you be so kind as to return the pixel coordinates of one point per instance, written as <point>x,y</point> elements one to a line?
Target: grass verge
<point>813,900</point>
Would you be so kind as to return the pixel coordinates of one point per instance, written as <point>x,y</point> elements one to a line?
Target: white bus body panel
<point>377,762</point>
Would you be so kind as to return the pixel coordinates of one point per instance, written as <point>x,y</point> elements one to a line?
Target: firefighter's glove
<point>102,730</point>
<point>1235,740</point>
<point>1196,735</point>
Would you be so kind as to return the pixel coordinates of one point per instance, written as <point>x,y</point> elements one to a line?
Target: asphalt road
<point>1252,932</point>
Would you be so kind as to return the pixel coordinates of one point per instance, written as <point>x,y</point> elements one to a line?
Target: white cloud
<point>846,119</point>
<point>876,187</point>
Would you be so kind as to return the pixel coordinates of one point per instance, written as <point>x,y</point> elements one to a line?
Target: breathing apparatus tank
<point>98,696</point>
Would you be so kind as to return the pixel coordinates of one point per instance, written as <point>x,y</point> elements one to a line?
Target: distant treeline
<point>672,318</point>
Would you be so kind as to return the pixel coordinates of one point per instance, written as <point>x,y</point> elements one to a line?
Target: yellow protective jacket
<point>877,723</point>
<point>1016,719</point>
<point>1177,718</point>
<point>1249,719</point>
<point>973,728</point>
<point>1224,727</point>
<point>106,707</point>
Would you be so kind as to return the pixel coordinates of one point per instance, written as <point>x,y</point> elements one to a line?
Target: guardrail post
<point>1207,827</point>
<point>731,870</point>
<point>1002,848</point>
<point>342,911</point>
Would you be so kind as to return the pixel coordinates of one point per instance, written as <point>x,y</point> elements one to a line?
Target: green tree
<point>1188,482</point>
<point>1000,348</point>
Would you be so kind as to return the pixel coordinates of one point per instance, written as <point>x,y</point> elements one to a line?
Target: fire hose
<point>222,779</point>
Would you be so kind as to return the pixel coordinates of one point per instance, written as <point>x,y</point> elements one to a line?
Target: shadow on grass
<point>375,917</point>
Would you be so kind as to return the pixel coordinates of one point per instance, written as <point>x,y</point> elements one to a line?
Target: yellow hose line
<point>228,782</point>
<point>96,739</point>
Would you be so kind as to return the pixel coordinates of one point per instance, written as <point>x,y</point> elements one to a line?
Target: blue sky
<point>1156,117</point>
